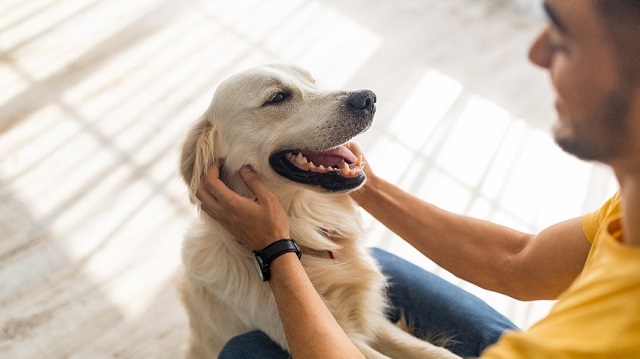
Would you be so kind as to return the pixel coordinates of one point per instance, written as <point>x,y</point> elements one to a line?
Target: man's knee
<point>252,345</point>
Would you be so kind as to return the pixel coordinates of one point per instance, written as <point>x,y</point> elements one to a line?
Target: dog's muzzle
<point>335,169</point>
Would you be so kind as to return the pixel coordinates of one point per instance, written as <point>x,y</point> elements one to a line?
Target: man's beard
<point>601,136</point>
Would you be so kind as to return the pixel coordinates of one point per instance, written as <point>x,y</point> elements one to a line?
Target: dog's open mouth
<point>339,160</point>
<point>336,169</point>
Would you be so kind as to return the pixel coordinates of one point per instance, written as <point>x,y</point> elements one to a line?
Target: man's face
<point>593,101</point>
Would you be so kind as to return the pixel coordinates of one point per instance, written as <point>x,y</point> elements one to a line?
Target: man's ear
<point>198,153</point>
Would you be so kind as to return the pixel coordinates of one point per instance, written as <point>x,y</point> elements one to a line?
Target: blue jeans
<point>430,304</point>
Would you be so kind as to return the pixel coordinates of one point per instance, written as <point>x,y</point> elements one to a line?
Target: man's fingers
<point>209,204</point>
<point>254,183</point>
<point>207,199</point>
<point>216,195</point>
<point>216,187</point>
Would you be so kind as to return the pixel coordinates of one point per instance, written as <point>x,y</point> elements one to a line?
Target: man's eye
<point>279,97</point>
<point>556,46</point>
<point>555,43</point>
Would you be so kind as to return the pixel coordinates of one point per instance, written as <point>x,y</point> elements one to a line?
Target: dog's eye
<point>279,97</point>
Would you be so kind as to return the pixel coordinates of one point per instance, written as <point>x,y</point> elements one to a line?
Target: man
<point>590,264</point>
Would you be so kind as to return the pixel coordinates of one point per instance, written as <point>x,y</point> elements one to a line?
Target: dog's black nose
<point>362,100</point>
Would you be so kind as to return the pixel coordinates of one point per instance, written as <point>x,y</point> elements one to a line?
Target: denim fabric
<point>432,306</point>
<point>436,308</point>
<point>252,345</point>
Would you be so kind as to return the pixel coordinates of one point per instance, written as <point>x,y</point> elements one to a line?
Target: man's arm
<point>494,257</point>
<point>311,329</point>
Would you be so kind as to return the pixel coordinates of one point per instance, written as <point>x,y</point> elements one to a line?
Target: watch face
<point>258,263</point>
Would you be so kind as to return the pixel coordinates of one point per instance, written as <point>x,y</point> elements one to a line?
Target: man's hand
<point>358,195</point>
<point>255,223</point>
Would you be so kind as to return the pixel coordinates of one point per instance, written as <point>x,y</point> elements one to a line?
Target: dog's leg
<point>396,343</point>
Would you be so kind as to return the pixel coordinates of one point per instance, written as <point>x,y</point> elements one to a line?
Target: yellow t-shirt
<point>598,316</point>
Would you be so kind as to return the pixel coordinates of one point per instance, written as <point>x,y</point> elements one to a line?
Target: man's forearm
<point>311,330</point>
<point>467,247</point>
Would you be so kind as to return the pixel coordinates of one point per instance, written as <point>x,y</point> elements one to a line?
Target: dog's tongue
<point>331,157</point>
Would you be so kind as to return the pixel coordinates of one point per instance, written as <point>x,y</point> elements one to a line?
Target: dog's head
<point>279,121</point>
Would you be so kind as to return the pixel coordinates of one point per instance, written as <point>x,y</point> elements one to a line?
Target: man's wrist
<point>263,258</point>
<point>282,267</point>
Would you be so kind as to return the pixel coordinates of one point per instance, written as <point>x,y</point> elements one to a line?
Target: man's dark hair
<point>621,19</point>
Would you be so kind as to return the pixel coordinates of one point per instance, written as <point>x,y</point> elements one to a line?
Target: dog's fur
<point>221,290</point>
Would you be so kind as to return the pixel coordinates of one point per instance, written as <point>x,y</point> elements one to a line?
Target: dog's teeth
<point>345,169</point>
<point>289,156</point>
<point>359,161</point>
<point>311,165</point>
<point>321,168</point>
<point>300,159</point>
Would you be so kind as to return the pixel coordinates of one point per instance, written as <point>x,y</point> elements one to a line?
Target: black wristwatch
<point>263,257</point>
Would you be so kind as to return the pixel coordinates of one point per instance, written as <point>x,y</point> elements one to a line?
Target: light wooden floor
<point>96,96</point>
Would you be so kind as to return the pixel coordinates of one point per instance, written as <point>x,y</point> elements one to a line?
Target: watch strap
<point>273,251</point>
<point>277,249</point>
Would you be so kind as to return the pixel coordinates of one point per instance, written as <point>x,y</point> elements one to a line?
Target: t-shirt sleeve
<point>591,221</point>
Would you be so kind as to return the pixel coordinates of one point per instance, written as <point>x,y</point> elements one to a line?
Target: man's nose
<point>539,52</point>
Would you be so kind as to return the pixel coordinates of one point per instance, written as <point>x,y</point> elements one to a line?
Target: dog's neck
<point>319,221</point>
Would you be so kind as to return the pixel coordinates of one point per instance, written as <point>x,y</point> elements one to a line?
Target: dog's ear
<point>198,153</point>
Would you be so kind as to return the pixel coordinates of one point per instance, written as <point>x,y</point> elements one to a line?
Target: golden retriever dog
<point>292,132</point>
